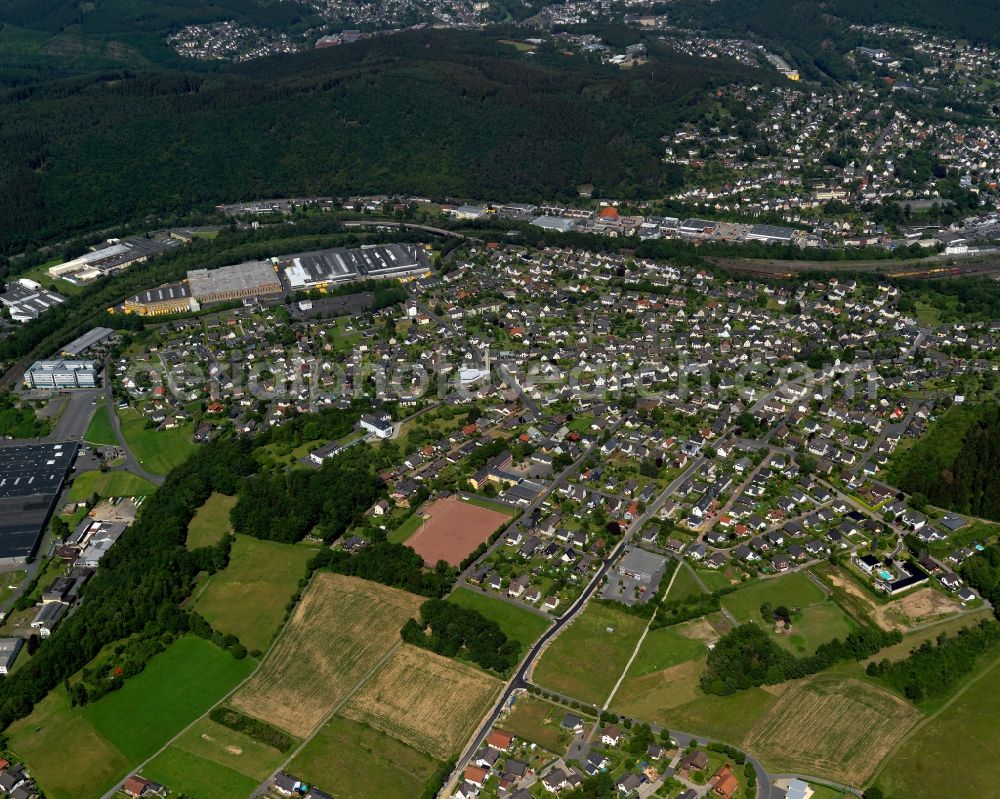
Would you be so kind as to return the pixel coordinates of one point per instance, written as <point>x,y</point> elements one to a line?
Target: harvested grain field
<point>832,727</point>
<point>453,530</point>
<point>425,700</point>
<point>340,630</point>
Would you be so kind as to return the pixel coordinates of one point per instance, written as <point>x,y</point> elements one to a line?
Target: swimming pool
<point>885,574</point>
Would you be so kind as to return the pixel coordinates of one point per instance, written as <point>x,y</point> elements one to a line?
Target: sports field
<point>248,598</point>
<point>175,688</point>
<point>522,625</point>
<point>211,522</point>
<point>358,762</point>
<point>587,658</point>
<point>453,530</point>
<point>340,631</point>
<point>425,700</point>
<point>959,746</point>
<point>109,484</point>
<point>831,727</point>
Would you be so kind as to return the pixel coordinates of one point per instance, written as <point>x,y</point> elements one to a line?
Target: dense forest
<point>982,572</point>
<point>438,113</point>
<point>957,464</point>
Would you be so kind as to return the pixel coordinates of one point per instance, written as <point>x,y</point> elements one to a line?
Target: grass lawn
<point>713,579</point>
<point>406,529</point>
<point>99,430</point>
<point>248,598</point>
<point>175,688</point>
<point>64,752</point>
<point>358,762</point>
<point>521,625</point>
<point>211,741</point>
<point>794,590</point>
<point>499,507</point>
<point>538,721</point>
<point>728,718</point>
<point>586,660</point>
<point>817,624</point>
<point>211,522</point>
<point>157,451</point>
<point>685,583</point>
<point>961,740</point>
<point>109,484</point>
<point>189,775</point>
<point>664,648</point>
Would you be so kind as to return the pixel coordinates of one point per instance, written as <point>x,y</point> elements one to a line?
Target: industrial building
<point>771,234</point>
<point>61,374</point>
<point>556,223</point>
<point>31,479</point>
<point>325,268</point>
<point>26,300</point>
<point>9,647</point>
<point>250,279</point>
<point>83,343</point>
<point>113,257</point>
<point>172,298</point>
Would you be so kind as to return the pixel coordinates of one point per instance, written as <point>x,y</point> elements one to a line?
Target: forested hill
<point>430,112</point>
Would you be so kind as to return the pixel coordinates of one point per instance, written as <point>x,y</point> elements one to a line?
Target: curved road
<point>131,463</point>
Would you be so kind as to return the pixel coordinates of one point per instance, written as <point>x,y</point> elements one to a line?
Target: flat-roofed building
<point>9,647</point>
<point>26,300</point>
<point>172,298</point>
<point>557,223</point>
<point>112,257</point>
<point>250,279</point>
<point>698,227</point>
<point>325,268</point>
<point>89,339</point>
<point>61,374</point>
<point>772,234</point>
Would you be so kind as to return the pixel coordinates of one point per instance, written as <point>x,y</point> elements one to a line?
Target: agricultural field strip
<point>114,791</point>
<point>927,719</point>
<point>295,752</point>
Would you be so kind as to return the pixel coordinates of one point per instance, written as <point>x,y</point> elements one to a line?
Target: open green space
<point>64,752</point>
<point>158,451</point>
<point>713,580</point>
<point>539,721</point>
<point>99,430</point>
<point>354,761</point>
<point>189,775</point>
<point>234,750</point>
<point>211,523</point>
<point>587,658</point>
<point>248,598</point>
<point>406,529</point>
<point>960,740</point>
<point>109,484</point>
<point>517,623</point>
<point>684,584</point>
<point>815,625</point>
<point>175,688</point>
<point>794,590</point>
<point>728,718</point>
<point>664,648</point>
<point>499,507</point>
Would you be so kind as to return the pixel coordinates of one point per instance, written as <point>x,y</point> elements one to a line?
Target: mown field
<point>684,583</point>
<point>211,522</point>
<point>109,484</point>
<point>99,430</point>
<point>248,598</point>
<point>81,752</point>
<point>522,625</point>
<point>957,747</point>
<point>831,727</point>
<point>425,700</point>
<point>158,451</point>
<point>195,777</point>
<point>588,657</point>
<point>340,630</point>
<point>358,762</point>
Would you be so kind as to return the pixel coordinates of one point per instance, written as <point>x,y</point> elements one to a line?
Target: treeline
<point>390,564</point>
<point>297,428</point>
<point>957,464</point>
<point>253,728</point>
<point>451,630</point>
<point>747,657</point>
<point>288,505</point>
<point>141,582</point>
<point>935,668</point>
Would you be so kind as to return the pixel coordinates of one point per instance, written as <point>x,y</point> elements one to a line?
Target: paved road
<point>72,424</point>
<point>131,462</point>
